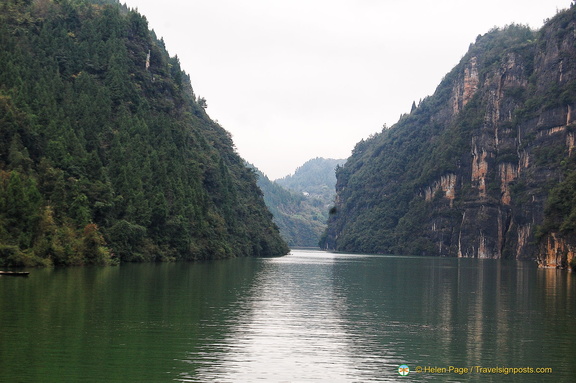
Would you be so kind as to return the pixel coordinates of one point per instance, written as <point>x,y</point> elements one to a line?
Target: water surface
<point>307,317</point>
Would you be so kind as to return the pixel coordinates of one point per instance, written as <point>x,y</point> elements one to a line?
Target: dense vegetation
<point>315,178</point>
<point>301,209</point>
<point>516,119</point>
<point>106,154</point>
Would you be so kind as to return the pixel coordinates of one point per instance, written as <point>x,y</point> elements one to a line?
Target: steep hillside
<point>301,219</point>
<point>300,202</point>
<point>106,154</point>
<point>483,168</point>
<point>315,178</point>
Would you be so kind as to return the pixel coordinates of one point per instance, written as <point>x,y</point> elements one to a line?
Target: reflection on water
<point>290,327</point>
<point>306,317</point>
<point>316,316</point>
<point>325,317</point>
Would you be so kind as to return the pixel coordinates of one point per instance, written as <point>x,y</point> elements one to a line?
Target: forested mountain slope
<point>316,178</point>
<point>485,167</point>
<point>106,154</point>
<point>300,202</point>
<point>300,218</point>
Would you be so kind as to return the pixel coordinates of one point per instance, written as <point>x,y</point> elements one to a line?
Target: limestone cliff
<point>469,172</point>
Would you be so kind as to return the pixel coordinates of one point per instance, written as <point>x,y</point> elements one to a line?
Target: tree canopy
<point>106,153</point>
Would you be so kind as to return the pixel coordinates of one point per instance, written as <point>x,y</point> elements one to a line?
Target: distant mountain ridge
<point>300,202</point>
<point>485,167</point>
<point>316,177</point>
<point>301,219</point>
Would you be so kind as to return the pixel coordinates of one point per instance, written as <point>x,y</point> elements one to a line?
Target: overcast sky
<point>298,79</point>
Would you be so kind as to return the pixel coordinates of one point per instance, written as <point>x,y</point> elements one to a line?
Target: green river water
<point>306,317</point>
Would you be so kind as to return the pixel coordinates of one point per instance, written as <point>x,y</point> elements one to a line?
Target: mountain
<point>106,153</point>
<point>315,178</point>
<point>300,202</point>
<point>485,167</point>
<point>301,219</point>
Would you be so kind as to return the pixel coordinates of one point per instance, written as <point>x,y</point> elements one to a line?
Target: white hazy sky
<point>298,79</point>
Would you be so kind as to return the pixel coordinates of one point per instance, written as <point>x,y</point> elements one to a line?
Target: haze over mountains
<point>300,202</point>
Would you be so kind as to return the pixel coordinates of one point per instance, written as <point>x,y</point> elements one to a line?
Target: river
<point>310,316</point>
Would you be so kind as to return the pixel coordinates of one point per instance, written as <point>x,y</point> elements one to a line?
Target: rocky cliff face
<point>469,172</point>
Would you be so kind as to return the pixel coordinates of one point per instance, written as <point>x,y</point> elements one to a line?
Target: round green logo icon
<point>403,370</point>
